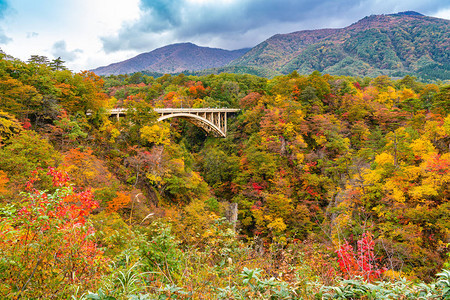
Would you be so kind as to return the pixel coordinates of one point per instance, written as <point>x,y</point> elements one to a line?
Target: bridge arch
<point>212,120</point>
<point>198,121</point>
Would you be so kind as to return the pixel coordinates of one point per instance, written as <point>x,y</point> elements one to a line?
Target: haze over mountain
<point>173,59</point>
<point>394,45</point>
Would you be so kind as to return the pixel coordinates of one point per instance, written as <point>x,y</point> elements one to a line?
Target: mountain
<point>394,45</point>
<point>173,59</point>
<point>406,43</point>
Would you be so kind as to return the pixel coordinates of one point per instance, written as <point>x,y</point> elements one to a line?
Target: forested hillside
<point>342,187</point>
<point>395,45</point>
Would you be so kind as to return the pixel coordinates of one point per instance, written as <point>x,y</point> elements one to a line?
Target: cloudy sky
<point>91,33</point>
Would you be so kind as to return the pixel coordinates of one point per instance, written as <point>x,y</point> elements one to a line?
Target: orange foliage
<point>170,95</point>
<point>85,169</point>
<point>93,97</point>
<point>119,202</point>
<point>197,90</point>
<point>3,181</point>
<point>18,98</point>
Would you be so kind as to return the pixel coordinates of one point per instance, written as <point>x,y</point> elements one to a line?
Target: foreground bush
<point>46,243</point>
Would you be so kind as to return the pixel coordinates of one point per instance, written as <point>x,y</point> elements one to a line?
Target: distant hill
<point>406,43</point>
<point>174,58</point>
<point>258,71</point>
<point>394,45</point>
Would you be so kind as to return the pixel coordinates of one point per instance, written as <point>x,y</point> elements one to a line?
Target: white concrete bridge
<point>212,120</point>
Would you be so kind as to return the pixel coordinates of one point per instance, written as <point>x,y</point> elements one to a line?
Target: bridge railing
<point>175,110</point>
<point>210,119</point>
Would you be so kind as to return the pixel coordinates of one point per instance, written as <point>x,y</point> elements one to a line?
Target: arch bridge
<point>212,120</point>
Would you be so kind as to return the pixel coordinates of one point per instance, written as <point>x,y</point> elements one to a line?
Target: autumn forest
<point>341,186</point>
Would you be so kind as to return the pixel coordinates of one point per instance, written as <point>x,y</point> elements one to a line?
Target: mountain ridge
<point>172,59</point>
<point>372,46</point>
<point>404,43</point>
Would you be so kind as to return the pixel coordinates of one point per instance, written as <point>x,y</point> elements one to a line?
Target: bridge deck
<point>178,110</point>
<point>212,120</point>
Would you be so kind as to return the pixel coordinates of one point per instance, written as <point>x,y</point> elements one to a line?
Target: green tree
<point>57,64</point>
<point>24,153</point>
<point>39,59</point>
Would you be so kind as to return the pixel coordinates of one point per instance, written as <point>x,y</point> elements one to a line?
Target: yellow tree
<point>18,98</point>
<point>157,134</point>
<point>9,126</point>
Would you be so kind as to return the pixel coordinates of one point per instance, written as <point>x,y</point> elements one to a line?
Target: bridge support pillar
<point>212,120</point>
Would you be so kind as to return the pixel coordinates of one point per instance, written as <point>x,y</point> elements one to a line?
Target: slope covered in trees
<point>394,45</point>
<point>342,187</point>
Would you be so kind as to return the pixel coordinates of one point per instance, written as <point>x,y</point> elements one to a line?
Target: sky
<point>90,33</point>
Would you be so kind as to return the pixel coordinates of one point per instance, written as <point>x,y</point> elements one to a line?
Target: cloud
<point>59,49</point>
<point>4,39</point>
<point>241,23</point>
<point>32,35</point>
<point>443,14</point>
